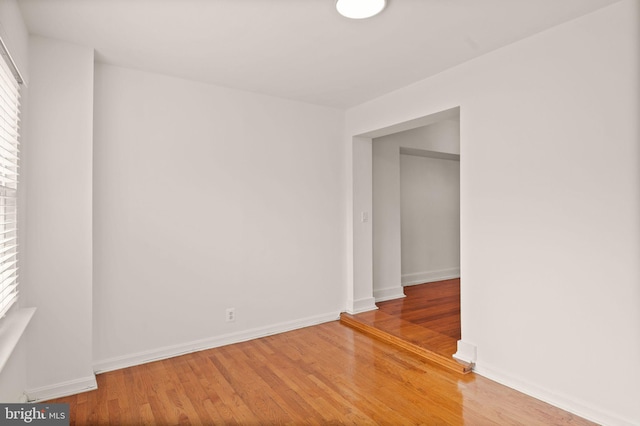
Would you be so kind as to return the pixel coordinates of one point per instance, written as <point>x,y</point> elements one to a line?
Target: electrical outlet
<point>231,314</point>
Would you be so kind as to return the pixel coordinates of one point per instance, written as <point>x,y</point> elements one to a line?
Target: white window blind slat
<point>10,117</point>
<point>7,171</point>
<point>8,80</point>
<point>7,153</point>
<point>9,282</point>
<point>8,275</point>
<point>7,266</point>
<point>11,91</point>
<point>8,99</point>
<point>7,257</point>
<point>9,167</point>
<point>10,288</point>
<point>8,248</point>
<point>8,296</point>
<point>8,141</point>
<point>7,107</point>
<point>11,122</point>
<point>9,300</point>
<point>9,158</point>
<point>8,182</point>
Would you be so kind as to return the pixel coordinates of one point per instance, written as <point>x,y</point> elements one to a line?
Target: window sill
<point>12,328</point>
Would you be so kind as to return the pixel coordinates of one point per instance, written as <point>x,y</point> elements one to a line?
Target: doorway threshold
<point>426,323</point>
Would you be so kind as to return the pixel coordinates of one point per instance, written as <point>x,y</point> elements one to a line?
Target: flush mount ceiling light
<point>360,9</point>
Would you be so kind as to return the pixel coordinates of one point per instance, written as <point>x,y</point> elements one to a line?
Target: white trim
<point>125,361</point>
<point>361,305</point>
<point>556,399</point>
<point>12,327</point>
<point>60,390</point>
<point>430,276</point>
<point>388,294</point>
<point>466,352</point>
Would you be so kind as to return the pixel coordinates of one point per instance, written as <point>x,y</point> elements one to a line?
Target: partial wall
<point>58,250</point>
<point>430,218</point>
<point>550,201</point>
<point>207,198</point>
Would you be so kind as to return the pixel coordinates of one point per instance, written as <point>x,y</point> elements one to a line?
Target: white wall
<point>207,198</point>
<point>13,377</point>
<point>359,239</point>
<point>430,218</point>
<point>386,220</point>
<point>550,200</point>
<point>440,137</point>
<point>57,268</point>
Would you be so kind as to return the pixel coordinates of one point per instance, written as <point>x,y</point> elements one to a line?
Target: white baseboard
<point>59,390</point>
<point>388,294</point>
<point>562,401</point>
<point>430,276</point>
<point>466,352</point>
<point>213,342</point>
<point>361,305</point>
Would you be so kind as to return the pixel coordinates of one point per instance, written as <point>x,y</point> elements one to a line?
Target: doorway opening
<point>416,207</point>
<point>413,194</point>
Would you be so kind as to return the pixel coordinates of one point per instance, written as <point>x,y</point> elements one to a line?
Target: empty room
<point>208,207</point>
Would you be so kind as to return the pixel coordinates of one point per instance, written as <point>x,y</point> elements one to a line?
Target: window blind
<point>9,144</point>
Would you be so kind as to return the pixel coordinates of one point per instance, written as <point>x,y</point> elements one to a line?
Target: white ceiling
<point>296,49</point>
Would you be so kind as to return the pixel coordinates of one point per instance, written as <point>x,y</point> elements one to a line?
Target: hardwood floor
<point>318,375</point>
<point>435,306</point>
<point>425,322</point>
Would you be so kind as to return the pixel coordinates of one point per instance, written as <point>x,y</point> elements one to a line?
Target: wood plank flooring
<point>404,336</point>
<point>434,306</point>
<point>426,322</point>
<point>326,374</point>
